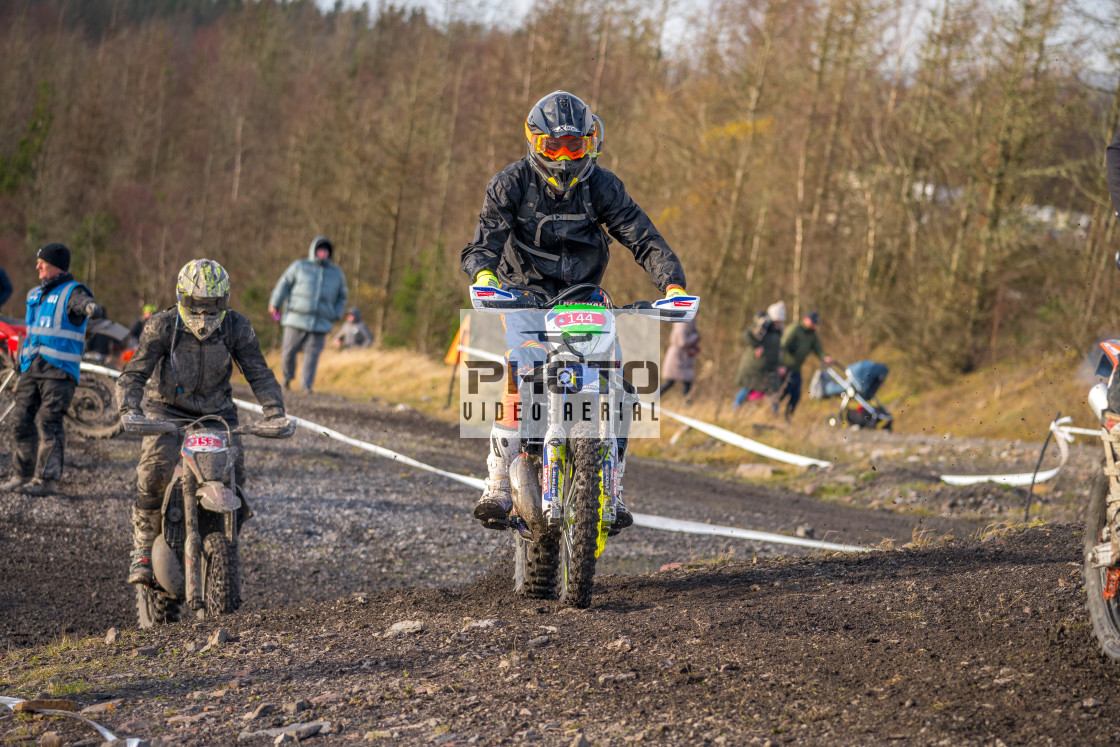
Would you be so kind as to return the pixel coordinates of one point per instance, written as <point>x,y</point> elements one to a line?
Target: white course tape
<point>641,520</point>
<point>743,442</point>
<point>1062,436</point>
<point>94,368</point>
<point>483,354</point>
<point>381,451</point>
<point>107,735</point>
<point>696,527</point>
<point>1079,431</point>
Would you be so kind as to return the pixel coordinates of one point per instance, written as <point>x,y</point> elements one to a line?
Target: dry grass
<point>395,375</point>
<point>924,539</point>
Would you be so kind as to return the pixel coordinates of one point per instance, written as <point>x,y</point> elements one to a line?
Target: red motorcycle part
<point>1111,584</point>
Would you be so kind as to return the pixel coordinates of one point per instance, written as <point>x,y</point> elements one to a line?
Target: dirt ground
<point>375,608</point>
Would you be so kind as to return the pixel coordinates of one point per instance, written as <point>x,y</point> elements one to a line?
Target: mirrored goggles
<point>559,148</point>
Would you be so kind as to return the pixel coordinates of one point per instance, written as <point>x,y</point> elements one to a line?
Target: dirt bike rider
<point>542,226</point>
<point>188,353</point>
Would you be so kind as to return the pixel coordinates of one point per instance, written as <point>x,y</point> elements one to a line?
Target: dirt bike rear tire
<point>534,566</point>
<point>1104,614</point>
<point>153,608</point>
<point>221,576</point>
<point>579,531</point>
<point>93,412</point>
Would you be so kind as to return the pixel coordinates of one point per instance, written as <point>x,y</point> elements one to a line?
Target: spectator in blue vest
<point>49,360</point>
<point>315,289</point>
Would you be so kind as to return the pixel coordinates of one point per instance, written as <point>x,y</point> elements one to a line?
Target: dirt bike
<point>195,559</point>
<point>1101,567</point>
<point>563,481</point>
<point>93,410</point>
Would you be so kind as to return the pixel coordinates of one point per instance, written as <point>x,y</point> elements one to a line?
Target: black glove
<point>276,426</point>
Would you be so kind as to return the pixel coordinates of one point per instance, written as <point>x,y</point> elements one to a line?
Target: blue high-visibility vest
<point>50,333</point>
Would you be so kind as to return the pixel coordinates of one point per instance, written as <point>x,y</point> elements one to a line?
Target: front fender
<point>217,497</point>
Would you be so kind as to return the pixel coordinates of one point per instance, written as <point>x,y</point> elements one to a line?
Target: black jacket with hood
<point>559,241</point>
<point>186,376</point>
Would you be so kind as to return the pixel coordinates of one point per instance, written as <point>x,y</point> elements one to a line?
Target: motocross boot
<point>622,516</point>
<point>13,484</point>
<point>39,486</point>
<point>496,502</point>
<point>145,529</point>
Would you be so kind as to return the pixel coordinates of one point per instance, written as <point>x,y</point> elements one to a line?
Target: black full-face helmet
<point>564,138</point>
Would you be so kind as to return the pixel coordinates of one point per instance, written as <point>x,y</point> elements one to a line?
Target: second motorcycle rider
<point>188,353</point>
<point>541,227</point>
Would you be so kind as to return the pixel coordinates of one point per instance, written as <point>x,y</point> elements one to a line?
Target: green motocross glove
<point>675,290</point>
<point>486,277</point>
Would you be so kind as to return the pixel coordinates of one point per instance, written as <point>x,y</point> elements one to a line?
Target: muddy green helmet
<point>203,295</point>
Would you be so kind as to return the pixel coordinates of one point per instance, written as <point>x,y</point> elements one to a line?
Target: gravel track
<point>376,606</point>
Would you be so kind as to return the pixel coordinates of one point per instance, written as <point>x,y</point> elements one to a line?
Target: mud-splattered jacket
<point>558,243</point>
<point>186,376</point>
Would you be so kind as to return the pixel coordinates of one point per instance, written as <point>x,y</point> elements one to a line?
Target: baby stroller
<point>856,389</point>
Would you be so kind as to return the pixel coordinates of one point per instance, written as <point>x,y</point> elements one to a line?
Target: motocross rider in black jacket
<point>185,357</point>
<point>542,226</point>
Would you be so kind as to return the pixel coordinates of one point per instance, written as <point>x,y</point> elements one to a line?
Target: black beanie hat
<point>56,254</point>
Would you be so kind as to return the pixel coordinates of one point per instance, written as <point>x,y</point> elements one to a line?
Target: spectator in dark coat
<point>797,344</point>
<point>757,374</point>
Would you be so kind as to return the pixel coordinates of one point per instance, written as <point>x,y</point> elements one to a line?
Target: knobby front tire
<point>153,608</point>
<point>579,531</point>
<point>221,576</point>
<point>1104,614</point>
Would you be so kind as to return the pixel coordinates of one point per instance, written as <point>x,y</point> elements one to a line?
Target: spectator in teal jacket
<point>315,291</point>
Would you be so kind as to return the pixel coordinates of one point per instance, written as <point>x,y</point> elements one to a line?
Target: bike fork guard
<point>608,451</point>
<point>1110,439</point>
<point>552,479</point>
<point>192,551</point>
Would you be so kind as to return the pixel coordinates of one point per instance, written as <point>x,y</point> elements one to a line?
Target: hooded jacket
<point>353,334</point>
<point>760,372</point>
<point>186,376</point>
<point>555,244</point>
<point>315,291</point>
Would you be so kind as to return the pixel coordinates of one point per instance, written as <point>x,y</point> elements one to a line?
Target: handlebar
<point>145,426</point>
<point>264,429</point>
<point>516,298</point>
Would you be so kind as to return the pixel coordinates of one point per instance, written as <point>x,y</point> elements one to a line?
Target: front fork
<point>192,548</point>
<point>1107,552</point>
<point>555,455</point>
